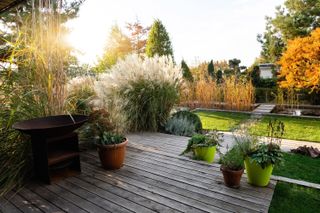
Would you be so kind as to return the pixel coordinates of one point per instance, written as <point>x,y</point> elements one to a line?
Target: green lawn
<point>304,129</point>
<point>223,121</point>
<point>294,199</point>
<point>299,167</point>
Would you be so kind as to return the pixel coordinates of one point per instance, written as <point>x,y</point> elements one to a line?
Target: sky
<point>200,30</point>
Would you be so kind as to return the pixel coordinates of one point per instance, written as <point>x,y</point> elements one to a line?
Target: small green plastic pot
<point>257,176</point>
<point>205,153</point>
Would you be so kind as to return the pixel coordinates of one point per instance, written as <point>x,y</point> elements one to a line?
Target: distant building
<point>267,70</point>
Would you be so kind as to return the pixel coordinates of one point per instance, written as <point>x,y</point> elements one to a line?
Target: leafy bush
<point>184,123</point>
<point>233,159</point>
<point>267,83</point>
<point>140,92</point>
<point>267,154</point>
<point>213,138</point>
<point>265,95</point>
<point>98,123</point>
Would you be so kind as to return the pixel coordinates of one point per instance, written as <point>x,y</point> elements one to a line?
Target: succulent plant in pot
<point>232,167</point>
<point>204,146</point>
<point>111,146</point>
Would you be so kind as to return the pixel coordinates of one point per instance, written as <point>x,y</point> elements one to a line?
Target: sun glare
<point>87,44</point>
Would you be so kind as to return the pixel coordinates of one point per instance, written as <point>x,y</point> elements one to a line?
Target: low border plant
<point>260,157</point>
<point>184,123</point>
<point>232,159</point>
<point>212,138</point>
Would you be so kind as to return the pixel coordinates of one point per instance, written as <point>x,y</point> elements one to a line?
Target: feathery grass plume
<point>80,95</point>
<point>140,93</point>
<point>233,93</point>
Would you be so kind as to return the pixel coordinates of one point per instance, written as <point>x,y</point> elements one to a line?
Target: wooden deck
<point>153,179</point>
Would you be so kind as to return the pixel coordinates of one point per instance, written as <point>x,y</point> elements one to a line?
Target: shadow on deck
<point>153,179</point>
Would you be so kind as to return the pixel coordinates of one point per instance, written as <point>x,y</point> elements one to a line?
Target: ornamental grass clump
<point>80,94</point>
<point>233,159</point>
<point>232,93</point>
<point>140,92</point>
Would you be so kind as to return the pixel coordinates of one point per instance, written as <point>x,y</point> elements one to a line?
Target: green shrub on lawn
<point>184,123</point>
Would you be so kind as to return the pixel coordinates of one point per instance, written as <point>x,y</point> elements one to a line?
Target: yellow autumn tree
<point>300,63</point>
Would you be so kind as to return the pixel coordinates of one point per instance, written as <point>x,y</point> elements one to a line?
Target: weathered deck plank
<point>105,188</point>
<point>38,201</point>
<point>56,199</point>
<point>198,183</point>
<point>154,179</point>
<point>6,206</point>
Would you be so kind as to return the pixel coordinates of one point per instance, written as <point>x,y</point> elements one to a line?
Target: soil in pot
<point>231,177</point>
<point>205,153</point>
<point>112,156</point>
<point>256,174</point>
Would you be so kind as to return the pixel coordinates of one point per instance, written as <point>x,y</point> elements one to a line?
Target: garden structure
<point>55,145</point>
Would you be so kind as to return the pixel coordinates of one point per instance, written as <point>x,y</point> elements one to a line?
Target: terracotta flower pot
<point>112,156</point>
<point>231,177</point>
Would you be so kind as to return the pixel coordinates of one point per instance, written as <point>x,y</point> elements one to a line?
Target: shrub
<point>140,92</point>
<point>184,123</point>
<point>180,126</point>
<point>98,123</point>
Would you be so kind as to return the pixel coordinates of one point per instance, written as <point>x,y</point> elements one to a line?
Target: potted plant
<point>112,150</point>
<point>204,146</point>
<point>232,167</point>
<point>260,158</point>
<point>111,146</point>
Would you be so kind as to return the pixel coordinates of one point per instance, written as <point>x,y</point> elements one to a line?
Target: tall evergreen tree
<point>158,41</point>
<point>186,71</point>
<point>234,65</point>
<point>219,76</point>
<point>255,75</point>
<point>211,69</point>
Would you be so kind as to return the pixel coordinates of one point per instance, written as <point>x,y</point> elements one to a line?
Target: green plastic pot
<point>205,153</point>
<point>256,174</point>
